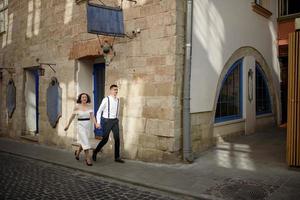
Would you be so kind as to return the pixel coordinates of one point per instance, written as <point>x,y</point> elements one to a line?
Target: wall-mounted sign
<point>11,98</point>
<point>54,102</point>
<point>104,20</point>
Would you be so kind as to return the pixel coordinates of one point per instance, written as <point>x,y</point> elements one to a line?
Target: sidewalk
<point>249,167</point>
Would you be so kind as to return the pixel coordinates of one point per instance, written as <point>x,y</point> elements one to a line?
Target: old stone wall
<point>147,68</point>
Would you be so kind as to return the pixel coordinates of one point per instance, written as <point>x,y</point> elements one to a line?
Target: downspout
<point>187,146</point>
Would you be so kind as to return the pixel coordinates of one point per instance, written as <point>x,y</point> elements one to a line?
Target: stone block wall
<point>147,68</point>
<point>202,132</point>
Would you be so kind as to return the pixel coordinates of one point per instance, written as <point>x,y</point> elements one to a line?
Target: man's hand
<point>98,125</point>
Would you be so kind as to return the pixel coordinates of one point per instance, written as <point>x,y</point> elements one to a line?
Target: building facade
<point>242,46</point>
<point>235,45</point>
<point>146,67</point>
<point>235,81</point>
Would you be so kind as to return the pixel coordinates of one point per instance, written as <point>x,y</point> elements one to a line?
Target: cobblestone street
<point>22,178</point>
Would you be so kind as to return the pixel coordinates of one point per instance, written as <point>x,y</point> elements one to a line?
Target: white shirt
<point>113,111</point>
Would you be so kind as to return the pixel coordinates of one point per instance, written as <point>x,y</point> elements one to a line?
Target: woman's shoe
<point>76,157</point>
<point>88,164</point>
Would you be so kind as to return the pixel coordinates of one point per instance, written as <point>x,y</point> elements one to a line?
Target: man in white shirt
<point>109,110</point>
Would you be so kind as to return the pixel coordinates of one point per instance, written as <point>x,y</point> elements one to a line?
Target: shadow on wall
<point>208,42</point>
<point>217,35</point>
<point>131,119</point>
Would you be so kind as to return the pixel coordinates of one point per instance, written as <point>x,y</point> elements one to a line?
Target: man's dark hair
<point>113,86</point>
<point>88,98</point>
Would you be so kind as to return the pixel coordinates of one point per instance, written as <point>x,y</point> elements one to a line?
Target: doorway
<point>91,80</point>
<point>32,101</point>
<point>284,87</point>
<point>98,91</point>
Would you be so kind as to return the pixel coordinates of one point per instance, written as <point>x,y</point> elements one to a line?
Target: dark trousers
<point>110,125</point>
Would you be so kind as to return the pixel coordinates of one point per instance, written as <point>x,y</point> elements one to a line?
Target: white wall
<point>85,84</point>
<point>249,86</point>
<point>85,78</point>
<point>219,29</point>
<point>30,99</point>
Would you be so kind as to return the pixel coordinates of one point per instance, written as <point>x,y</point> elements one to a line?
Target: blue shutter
<point>54,102</point>
<point>11,98</point>
<point>105,20</point>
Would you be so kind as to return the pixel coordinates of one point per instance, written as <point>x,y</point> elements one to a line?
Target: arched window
<point>229,106</point>
<point>263,100</point>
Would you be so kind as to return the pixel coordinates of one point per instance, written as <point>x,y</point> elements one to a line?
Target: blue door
<point>99,81</point>
<point>37,83</point>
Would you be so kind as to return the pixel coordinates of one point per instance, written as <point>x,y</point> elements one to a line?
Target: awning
<point>88,48</point>
<point>85,49</point>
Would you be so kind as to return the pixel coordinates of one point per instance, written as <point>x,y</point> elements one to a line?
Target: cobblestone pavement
<point>23,178</point>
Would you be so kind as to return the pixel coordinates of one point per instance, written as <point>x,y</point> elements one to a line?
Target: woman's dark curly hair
<point>88,98</point>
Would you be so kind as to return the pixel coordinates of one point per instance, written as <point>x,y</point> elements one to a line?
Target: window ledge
<point>261,10</point>
<point>288,17</point>
<point>264,115</point>
<point>235,121</point>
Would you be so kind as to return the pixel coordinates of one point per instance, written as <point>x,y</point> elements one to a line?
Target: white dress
<point>84,128</point>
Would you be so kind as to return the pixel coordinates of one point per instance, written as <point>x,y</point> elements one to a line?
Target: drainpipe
<point>187,146</point>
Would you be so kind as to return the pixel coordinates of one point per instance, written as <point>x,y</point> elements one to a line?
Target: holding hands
<point>97,125</point>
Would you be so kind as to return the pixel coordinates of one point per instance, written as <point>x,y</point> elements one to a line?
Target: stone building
<point>147,69</point>
<point>234,55</point>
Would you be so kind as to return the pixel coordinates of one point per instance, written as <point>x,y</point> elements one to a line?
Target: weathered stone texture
<point>147,68</point>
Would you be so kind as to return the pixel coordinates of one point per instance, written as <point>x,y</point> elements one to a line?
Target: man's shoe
<point>119,160</point>
<point>94,156</point>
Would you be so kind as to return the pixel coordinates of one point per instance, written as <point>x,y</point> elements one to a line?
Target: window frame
<point>287,16</point>
<point>259,69</point>
<point>259,6</point>
<point>229,72</point>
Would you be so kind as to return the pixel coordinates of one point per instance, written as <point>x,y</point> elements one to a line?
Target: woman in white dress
<point>85,114</point>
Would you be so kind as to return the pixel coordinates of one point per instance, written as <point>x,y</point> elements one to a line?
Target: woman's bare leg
<point>78,151</point>
<point>87,156</point>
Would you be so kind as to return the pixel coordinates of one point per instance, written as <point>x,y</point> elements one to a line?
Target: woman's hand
<point>66,128</point>
<point>97,125</point>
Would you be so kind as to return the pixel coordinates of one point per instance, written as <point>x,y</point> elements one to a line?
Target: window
<point>263,3</point>
<point>263,100</point>
<point>289,7</point>
<point>259,2</point>
<point>3,15</point>
<point>262,7</point>
<point>229,106</point>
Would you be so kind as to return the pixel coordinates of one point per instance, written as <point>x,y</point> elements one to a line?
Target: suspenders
<point>108,107</point>
<point>117,109</point>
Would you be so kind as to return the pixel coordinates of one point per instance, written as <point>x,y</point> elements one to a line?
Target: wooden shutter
<point>293,125</point>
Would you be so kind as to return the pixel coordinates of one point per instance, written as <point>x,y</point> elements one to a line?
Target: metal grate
<point>242,189</point>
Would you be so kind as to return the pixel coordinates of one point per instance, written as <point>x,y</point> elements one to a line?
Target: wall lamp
<point>250,85</point>
<point>41,70</point>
